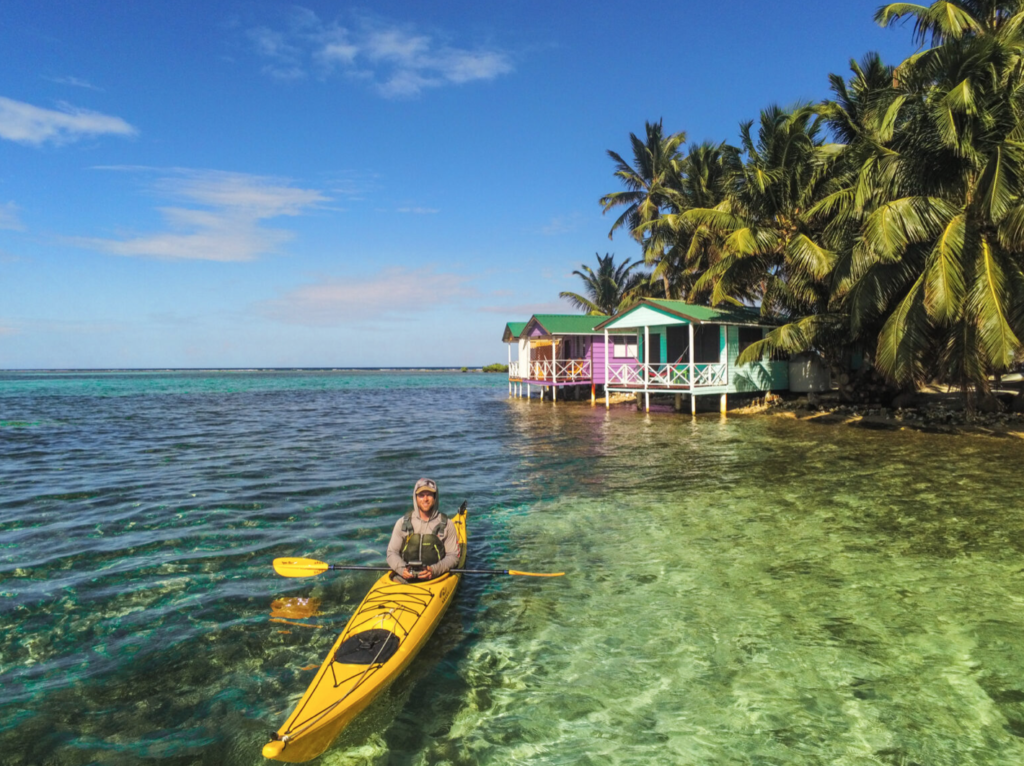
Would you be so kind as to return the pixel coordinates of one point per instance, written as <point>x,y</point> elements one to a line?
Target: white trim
<point>691,370</point>
<point>607,367</point>
<point>647,354</point>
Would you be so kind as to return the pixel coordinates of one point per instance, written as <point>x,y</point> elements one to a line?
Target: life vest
<point>425,549</point>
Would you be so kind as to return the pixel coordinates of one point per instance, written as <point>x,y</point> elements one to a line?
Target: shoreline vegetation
<point>881,228</point>
<point>934,409</point>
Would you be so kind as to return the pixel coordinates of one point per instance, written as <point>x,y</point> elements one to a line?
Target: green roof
<point>717,314</point>
<point>568,324</point>
<point>737,315</point>
<point>512,331</point>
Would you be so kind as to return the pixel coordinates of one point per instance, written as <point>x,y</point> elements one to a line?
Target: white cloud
<point>33,125</point>
<point>332,301</point>
<point>419,210</point>
<point>74,82</point>
<point>562,224</point>
<point>224,222</point>
<point>529,309</point>
<point>396,60</point>
<point>9,217</point>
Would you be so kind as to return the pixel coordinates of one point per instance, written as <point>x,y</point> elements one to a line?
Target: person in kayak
<point>423,543</point>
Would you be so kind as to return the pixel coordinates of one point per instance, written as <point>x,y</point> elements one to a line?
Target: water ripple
<point>739,591</point>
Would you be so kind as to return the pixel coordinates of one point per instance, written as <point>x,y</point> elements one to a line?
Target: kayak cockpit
<point>368,647</point>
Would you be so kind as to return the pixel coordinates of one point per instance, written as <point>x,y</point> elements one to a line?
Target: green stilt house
<point>686,350</point>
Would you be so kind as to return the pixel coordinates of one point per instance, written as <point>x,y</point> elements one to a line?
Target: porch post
<point>647,354</point>
<point>647,367</point>
<point>722,403</point>
<point>607,372</point>
<point>725,329</point>
<point>693,404</point>
<point>593,383</point>
<point>554,365</point>
<point>692,371</point>
<point>527,390</point>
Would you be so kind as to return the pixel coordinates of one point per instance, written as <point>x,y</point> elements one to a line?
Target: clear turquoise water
<point>739,591</point>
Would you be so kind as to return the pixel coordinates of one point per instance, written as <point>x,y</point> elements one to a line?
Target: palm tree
<point>649,182</point>
<point>953,222</point>
<point>904,236</point>
<point>691,249</point>
<point>943,21</point>
<point>773,253</point>
<point>846,317</point>
<point>608,288</point>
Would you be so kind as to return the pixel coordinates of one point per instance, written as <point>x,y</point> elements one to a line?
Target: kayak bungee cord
<point>315,719</point>
<point>421,600</point>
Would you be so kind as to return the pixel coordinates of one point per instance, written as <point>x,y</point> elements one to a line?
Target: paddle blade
<point>299,567</point>
<point>536,574</point>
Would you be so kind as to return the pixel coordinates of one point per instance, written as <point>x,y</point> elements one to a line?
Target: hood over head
<point>429,485</point>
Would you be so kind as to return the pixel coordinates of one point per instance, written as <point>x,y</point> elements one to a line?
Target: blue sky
<point>236,184</point>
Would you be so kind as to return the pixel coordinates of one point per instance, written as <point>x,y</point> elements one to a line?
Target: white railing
<point>513,371</point>
<point>668,375</point>
<point>711,375</point>
<point>560,371</point>
<point>626,375</point>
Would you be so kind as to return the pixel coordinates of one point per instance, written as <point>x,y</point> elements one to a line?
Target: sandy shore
<point>933,412</point>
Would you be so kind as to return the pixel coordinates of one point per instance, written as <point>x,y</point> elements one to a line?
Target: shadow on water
<point>747,590</point>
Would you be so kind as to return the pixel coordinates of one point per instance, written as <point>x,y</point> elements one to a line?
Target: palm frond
<point>895,225</point>
<point>578,301</point>
<point>989,310</point>
<point>903,337</point>
<point>944,279</point>
<point>811,257</point>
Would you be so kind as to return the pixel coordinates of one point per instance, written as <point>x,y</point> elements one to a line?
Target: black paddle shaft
<point>388,569</point>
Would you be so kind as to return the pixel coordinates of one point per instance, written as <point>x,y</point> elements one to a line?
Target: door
<point>654,352</point>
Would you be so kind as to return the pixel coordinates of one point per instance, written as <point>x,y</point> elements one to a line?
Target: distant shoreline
<point>57,370</point>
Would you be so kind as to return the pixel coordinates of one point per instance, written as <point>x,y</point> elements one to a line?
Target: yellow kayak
<point>390,626</point>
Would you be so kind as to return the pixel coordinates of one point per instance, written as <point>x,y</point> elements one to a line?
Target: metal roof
<point>734,315</point>
<point>567,324</point>
<point>512,331</point>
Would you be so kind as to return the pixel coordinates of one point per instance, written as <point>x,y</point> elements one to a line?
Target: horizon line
<point>375,368</point>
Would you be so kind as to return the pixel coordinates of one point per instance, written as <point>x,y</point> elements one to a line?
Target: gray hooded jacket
<point>421,527</point>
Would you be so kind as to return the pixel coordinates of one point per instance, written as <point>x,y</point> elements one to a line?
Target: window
<point>748,336</point>
<point>575,347</point>
<point>707,344</point>
<point>624,346</point>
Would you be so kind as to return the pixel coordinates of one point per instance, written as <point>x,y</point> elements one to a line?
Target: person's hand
<point>426,573</point>
<point>407,575</point>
